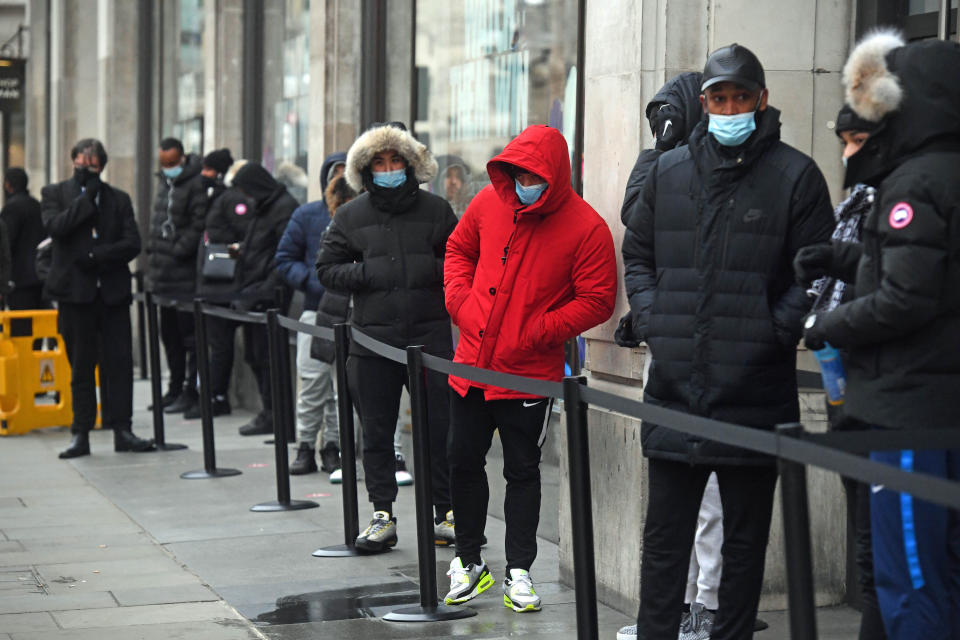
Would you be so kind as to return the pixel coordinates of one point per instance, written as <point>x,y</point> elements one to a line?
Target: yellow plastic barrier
<point>34,373</point>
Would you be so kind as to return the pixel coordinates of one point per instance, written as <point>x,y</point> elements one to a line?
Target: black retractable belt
<point>210,469</point>
<point>429,610</point>
<point>159,437</point>
<point>281,387</point>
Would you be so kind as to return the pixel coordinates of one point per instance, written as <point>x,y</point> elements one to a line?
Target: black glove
<point>92,185</point>
<point>813,334</point>
<point>623,336</point>
<point>812,262</point>
<point>668,125</point>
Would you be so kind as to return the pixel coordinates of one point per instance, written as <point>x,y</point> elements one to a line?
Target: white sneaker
<point>336,477</point>
<point>466,583</point>
<point>380,534</point>
<point>404,479</point>
<point>627,633</point>
<point>518,593</point>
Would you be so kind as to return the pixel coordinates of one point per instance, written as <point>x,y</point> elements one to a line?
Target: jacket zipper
<point>403,281</point>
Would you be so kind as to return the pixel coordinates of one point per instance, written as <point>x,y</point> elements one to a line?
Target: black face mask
<point>209,183</point>
<point>84,176</point>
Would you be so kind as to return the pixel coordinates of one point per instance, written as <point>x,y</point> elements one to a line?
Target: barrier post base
<point>170,446</point>
<point>202,474</point>
<point>344,551</point>
<point>438,613</point>
<point>293,505</point>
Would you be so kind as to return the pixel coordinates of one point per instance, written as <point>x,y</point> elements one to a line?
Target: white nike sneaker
<point>466,583</point>
<point>518,593</point>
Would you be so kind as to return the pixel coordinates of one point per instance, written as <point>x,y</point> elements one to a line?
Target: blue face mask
<point>173,172</point>
<point>529,195</point>
<point>732,131</point>
<point>390,179</point>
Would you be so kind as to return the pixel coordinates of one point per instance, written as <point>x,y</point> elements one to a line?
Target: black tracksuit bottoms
<point>675,492</point>
<point>523,429</point>
<point>221,334</point>
<point>97,333</point>
<point>179,343</point>
<point>375,386</point>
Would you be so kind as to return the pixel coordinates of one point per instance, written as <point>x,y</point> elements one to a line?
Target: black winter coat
<point>708,266</point>
<point>175,229</point>
<point>93,242</point>
<point>391,260</point>
<point>229,217</point>
<point>902,329</point>
<point>332,309</point>
<point>21,213</point>
<point>259,281</point>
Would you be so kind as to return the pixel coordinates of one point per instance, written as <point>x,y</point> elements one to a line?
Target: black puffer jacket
<point>229,215</point>
<point>902,330</point>
<point>391,260</point>
<point>259,281</point>
<point>707,258</point>
<point>175,229</point>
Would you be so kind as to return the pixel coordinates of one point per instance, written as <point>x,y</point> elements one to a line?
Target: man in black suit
<point>94,237</point>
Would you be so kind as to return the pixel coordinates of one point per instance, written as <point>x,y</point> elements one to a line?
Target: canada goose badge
<point>901,215</point>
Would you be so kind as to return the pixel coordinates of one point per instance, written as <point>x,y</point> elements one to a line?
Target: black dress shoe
<point>126,441</point>
<point>259,426</point>
<point>167,399</point>
<point>79,446</point>
<point>185,401</point>
<point>217,408</point>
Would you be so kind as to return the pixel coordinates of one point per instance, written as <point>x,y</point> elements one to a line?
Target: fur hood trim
<point>872,90</point>
<point>232,172</point>
<point>373,141</point>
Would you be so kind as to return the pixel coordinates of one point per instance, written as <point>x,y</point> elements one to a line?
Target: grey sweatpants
<point>317,400</point>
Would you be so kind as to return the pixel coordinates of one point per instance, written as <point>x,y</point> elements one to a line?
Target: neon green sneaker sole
<point>508,603</point>
<point>485,583</point>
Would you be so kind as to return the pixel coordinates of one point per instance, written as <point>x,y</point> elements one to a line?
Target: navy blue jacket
<point>296,255</point>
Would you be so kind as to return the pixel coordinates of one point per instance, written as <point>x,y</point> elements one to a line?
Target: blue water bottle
<point>831,370</point>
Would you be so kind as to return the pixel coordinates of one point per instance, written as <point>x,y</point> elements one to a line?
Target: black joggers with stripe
<point>523,428</point>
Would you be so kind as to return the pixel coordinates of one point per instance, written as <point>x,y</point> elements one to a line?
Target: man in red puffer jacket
<point>529,266</point>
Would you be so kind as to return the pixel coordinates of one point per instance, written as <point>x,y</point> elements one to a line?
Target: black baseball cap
<point>733,63</point>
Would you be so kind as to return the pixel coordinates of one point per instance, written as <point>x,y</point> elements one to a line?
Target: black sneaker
<point>218,407</point>
<point>306,461</point>
<point>185,401</point>
<point>329,458</point>
<point>259,426</point>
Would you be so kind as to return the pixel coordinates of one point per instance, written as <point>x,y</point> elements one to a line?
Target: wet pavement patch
<point>371,601</point>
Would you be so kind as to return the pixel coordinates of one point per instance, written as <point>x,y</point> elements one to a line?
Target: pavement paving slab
<point>116,546</point>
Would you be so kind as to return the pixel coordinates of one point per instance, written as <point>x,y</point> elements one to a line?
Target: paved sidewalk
<point>115,546</point>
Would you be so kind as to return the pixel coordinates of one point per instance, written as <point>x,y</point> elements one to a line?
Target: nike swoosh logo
<point>876,488</point>
<point>666,127</point>
<point>531,404</point>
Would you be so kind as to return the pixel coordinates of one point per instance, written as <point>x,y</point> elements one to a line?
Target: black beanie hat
<point>219,160</point>
<point>848,120</point>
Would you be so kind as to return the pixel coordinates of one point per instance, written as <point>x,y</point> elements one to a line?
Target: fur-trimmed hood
<point>911,91</point>
<point>380,138</point>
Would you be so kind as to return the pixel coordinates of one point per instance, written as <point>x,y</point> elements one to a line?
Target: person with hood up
<point>228,219</point>
<point>260,286</point>
<point>707,261</point>
<point>901,331</point>
<point>453,182</point>
<point>175,229</point>
<point>529,266</point>
<point>386,248</point>
<point>296,262</point>
<point>21,213</point>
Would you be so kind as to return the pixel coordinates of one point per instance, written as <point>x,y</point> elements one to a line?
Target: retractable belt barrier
<point>789,445</point>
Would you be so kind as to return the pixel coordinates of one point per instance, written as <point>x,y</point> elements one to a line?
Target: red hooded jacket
<point>522,279</point>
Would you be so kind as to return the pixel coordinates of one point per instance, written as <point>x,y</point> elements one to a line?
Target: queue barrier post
<point>210,469</point>
<point>348,455</point>
<point>581,507</point>
<point>159,435</point>
<point>141,327</point>
<point>429,610</point>
<point>281,387</point>
<point>796,539</point>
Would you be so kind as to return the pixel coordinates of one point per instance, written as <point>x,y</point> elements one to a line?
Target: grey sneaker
<point>380,534</point>
<point>627,633</point>
<point>698,625</point>
<point>518,593</point>
<point>466,583</point>
<point>443,533</point>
